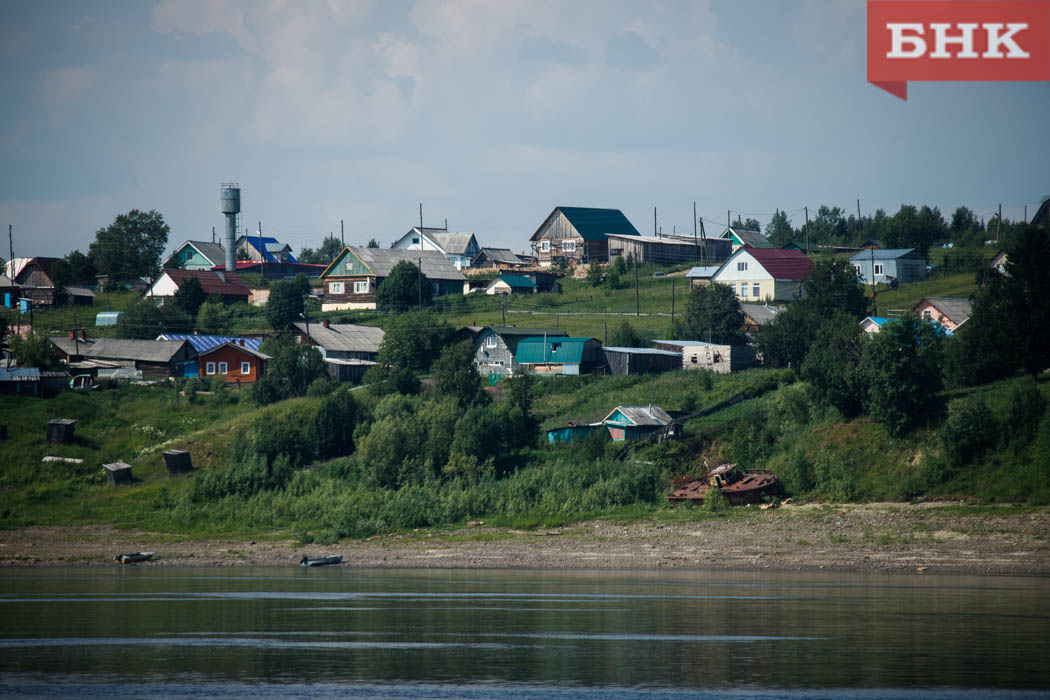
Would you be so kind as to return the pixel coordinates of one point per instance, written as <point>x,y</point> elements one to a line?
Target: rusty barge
<point>737,485</point>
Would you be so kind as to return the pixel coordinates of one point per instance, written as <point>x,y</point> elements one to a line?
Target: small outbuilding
<point>118,473</point>
<point>177,462</point>
<point>641,360</point>
<point>60,431</point>
<point>627,423</point>
<point>559,355</point>
<point>720,359</point>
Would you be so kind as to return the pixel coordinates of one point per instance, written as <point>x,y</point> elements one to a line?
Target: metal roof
<point>225,283</point>
<point>517,281</point>
<point>381,261</point>
<point>687,343</point>
<point>884,254</point>
<point>236,346</point>
<point>641,415</point>
<point>702,272</point>
<point>747,236</point>
<point>781,264</point>
<point>344,337</point>
<point>212,252</point>
<point>271,245</point>
<point>119,349</point>
<point>641,351</point>
<point>502,255</point>
<point>78,291</point>
<point>759,313</point>
<point>453,243</point>
<point>206,342</point>
<point>955,310</point>
<point>593,224</point>
<point>551,350</point>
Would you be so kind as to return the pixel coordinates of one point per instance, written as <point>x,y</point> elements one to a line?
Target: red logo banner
<point>956,40</point>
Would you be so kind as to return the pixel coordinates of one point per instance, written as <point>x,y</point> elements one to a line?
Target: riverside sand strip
<point>882,537</point>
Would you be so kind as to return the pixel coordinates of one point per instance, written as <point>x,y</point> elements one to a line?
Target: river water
<point>154,631</point>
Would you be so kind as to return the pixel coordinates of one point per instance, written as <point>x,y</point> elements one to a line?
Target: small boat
<point>133,558</point>
<point>737,485</point>
<point>321,561</point>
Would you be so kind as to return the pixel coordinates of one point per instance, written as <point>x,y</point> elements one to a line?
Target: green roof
<point>594,224</point>
<point>553,350</point>
<point>518,281</point>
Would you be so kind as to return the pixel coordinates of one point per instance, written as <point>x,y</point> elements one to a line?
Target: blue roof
<point>19,374</point>
<point>886,254</point>
<point>206,342</point>
<point>270,244</point>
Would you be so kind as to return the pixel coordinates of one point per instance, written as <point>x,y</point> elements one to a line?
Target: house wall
<point>557,231</point>
<point>911,268</point>
<point>640,363</point>
<point>233,358</point>
<point>491,354</point>
<point>935,315</point>
<point>720,359</point>
<point>188,258</point>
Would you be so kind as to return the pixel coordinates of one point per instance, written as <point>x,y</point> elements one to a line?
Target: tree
<point>291,370</point>
<point>131,246</point>
<point>832,286</point>
<point>35,350</point>
<point>145,319</point>
<point>189,296</point>
<point>779,231</point>
<point>594,273</point>
<point>414,340</point>
<point>330,247</point>
<point>784,341</point>
<point>712,313</point>
<point>285,304</point>
<point>625,336</point>
<point>747,223</point>
<point>455,374</point>
<point>372,243</point>
<point>332,428</point>
<point>832,365</point>
<point>1026,290</point>
<point>211,318</point>
<point>404,288</point>
<point>964,221</point>
<point>74,269</point>
<point>902,373</point>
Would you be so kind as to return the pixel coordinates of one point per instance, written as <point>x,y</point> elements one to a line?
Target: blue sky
<point>489,113</point>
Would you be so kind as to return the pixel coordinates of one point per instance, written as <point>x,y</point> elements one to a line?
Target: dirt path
<point>931,538</point>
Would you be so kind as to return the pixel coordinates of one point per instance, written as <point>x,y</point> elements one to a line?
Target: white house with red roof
<point>764,274</point>
<point>226,284</point>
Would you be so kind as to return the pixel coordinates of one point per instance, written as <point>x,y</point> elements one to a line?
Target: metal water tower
<point>230,203</point>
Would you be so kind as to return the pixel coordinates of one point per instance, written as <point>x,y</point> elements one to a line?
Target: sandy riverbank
<point>921,538</point>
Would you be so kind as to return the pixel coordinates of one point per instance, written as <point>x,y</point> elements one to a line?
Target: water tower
<point>230,203</point>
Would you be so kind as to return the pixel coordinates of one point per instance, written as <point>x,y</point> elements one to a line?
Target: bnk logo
<point>957,40</point>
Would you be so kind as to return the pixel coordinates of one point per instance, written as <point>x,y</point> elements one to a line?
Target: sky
<point>489,113</point>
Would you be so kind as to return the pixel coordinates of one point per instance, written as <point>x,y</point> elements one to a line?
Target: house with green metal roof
<point>578,235</point>
<point>547,355</point>
<point>740,237</point>
<point>511,284</point>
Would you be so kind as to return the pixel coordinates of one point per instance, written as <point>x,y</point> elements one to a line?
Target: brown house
<point>234,363</point>
<point>353,278</point>
<point>156,359</point>
<point>578,235</point>
<point>33,277</point>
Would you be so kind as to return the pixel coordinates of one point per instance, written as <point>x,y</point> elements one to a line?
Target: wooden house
<point>156,359</point>
<point>641,360</point>
<point>873,324</point>
<point>758,315</point>
<point>739,237</point>
<point>262,249</point>
<point>626,423</point>
<point>353,278</point>
<point>578,235</point>
<point>460,249</point>
<point>889,265</point>
<point>197,255</point>
<point>10,292</point>
<point>495,347</point>
<point>226,284</point>
<point>720,359</point>
<point>33,278</point>
<point>233,363</point>
<point>764,274</point>
<point>32,381</point>
<point>557,355</point>
<point>948,312</point>
<point>668,250</point>
<point>499,259</point>
<point>341,341</point>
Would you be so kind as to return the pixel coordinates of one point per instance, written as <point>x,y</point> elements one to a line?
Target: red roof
<point>255,266</point>
<point>224,283</point>
<point>782,264</point>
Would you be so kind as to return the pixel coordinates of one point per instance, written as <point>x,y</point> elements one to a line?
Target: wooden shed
<point>641,360</point>
<point>118,473</point>
<point>177,462</point>
<point>60,431</point>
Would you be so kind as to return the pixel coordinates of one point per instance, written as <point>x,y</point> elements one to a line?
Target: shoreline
<point>931,538</point>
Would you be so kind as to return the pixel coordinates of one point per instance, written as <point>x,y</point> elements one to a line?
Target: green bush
<point>969,431</point>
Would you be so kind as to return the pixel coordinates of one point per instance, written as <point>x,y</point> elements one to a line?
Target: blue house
<point>894,264</point>
<point>634,422</point>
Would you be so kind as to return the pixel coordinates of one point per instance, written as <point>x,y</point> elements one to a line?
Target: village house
<point>701,275</point>
<point>32,276</point>
<point>764,274</point>
<point>873,324</point>
<point>556,355</point>
<point>196,255</point>
<point>234,363</point>
<point>948,312</point>
<point>496,347</point>
<point>739,237</point>
<point>890,265</point>
<point>155,359</point>
<point>666,250</point>
<point>353,278</point>
<point>720,359</point>
<point>460,249</point>
<point>9,292</point>
<point>349,350</point>
<point>511,284</point>
<point>758,315</point>
<point>32,381</point>
<point>577,235</point>
<point>640,360</point>
<point>499,259</point>
<point>626,423</point>
<point>262,249</point>
<point>226,284</point>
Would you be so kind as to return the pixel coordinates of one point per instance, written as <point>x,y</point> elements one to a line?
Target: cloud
<point>59,87</point>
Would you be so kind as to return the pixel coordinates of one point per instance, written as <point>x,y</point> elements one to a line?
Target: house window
<point>490,342</point>
<point>415,241</point>
<point>857,268</point>
<point>435,288</point>
<point>755,292</point>
<point>545,246</point>
<point>246,368</point>
<point>335,287</point>
<point>741,266</point>
<point>568,246</point>
<point>223,368</point>
<point>743,289</point>
<point>878,268</point>
<point>209,368</point>
<point>361,287</point>
<point>189,255</point>
<point>927,315</point>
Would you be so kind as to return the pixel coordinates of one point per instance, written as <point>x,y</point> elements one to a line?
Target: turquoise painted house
<point>626,423</point>
<point>196,255</point>
<point>557,355</point>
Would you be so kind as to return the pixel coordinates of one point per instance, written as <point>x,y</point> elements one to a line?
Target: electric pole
<point>696,243</point>
<point>637,306</point>
<point>342,233</point>
<point>421,217</point>
<point>419,277</point>
<point>807,231</point>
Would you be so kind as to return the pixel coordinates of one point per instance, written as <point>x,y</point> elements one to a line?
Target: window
<point>927,315</point>
<point>223,368</point>
<point>335,287</point>
<point>545,246</point>
<point>490,342</point>
<point>857,268</point>
<point>415,241</point>
<point>743,289</point>
<point>361,287</point>
<point>568,246</point>
<point>189,255</point>
<point>878,268</point>
<point>755,291</point>
<point>741,266</point>
<point>246,368</point>
<point>435,288</point>
<point>209,368</point>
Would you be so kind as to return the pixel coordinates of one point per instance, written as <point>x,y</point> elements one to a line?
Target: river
<point>155,631</point>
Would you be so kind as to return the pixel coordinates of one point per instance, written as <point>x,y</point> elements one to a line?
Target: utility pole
<point>605,327</point>
<point>999,225</point>
<point>1026,213</point>
<point>637,306</point>
<point>262,252</point>
<point>419,277</point>
<point>76,337</point>
<point>342,233</point>
<point>807,233</point>
<point>654,221</point>
<point>696,243</point>
<point>874,302</point>
<point>860,221</point>
<point>212,234</point>
<point>11,248</point>
<point>672,301</point>
<point>728,225</point>
<point>502,311</point>
<point>703,237</point>
<point>421,215</point>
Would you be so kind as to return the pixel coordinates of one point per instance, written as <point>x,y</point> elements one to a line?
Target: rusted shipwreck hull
<point>737,485</point>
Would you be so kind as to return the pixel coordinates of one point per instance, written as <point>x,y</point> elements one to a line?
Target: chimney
<point>242,342</point>
<point>83,335</point>
<point>325,323</point>
<point>72,335</point>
